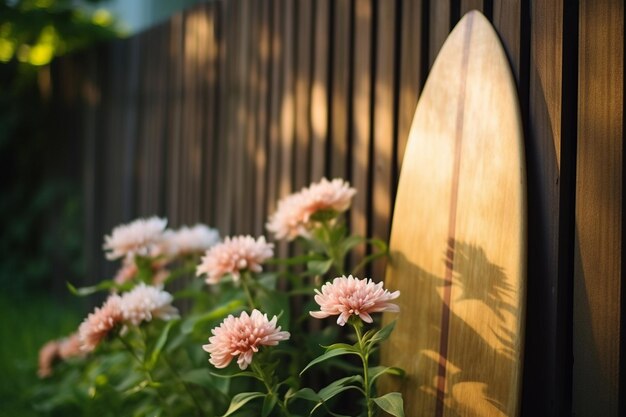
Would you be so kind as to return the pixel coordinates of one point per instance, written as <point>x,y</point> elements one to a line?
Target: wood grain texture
<point>543,356</point>
<point>223,179</point>
<point>361,120</point>
<point>384,127</point>
<point>175,97</point>
<point>320,90</point>
<point>458,241</point>
<point>304,59</point>
<point>411,72</point>
<point>260,157</point>
<point>507,21</point>
<point>209,131</point>
<point>599,209</point>
<point>438,27</point>
<point>469,5</point>
<point>275,106</point>
<point>340,101</point>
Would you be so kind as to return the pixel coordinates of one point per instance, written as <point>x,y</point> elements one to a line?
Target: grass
<point>26,323</point>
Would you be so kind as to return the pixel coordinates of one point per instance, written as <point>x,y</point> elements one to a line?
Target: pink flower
<point>293,215</point>
<point>47,355</point>
<point>351,296</point>
<point>144,302</point>
<point>70,347</point>
<point>242,336</point>
<point>98,324</point>
<point>234,255</point>
<point>139,237</point>
<point>189,240</point>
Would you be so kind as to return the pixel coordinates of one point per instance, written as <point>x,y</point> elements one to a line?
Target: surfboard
<point>458,239</point>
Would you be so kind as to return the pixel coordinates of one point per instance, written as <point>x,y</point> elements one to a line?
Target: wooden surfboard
<point>458,239</point>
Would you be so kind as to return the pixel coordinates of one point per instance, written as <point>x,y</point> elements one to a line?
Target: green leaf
<point>350,242</point>
<point>336,388</point>
<point>377,371</point>
<point>268,405</point>
<point>240,400</point>
<point>274,303</point>
<point>319,267</point>
<point>106,285</point>
<point>160,343</point>
<point>382,334</point>
<point>306,394</point>
<point>329,354</point>
<point>391,403</point>
<point>217,313</point>
<point>342,346</point>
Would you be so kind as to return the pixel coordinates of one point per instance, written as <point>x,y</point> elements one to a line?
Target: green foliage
<point>27,323</point>
<point>41,170</point>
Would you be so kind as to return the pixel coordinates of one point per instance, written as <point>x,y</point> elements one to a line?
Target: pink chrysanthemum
<point>242,336</point>
<point>136,238</point>
<point>47,355</point>
<point>70,347</point>
<point>293,215</point>
<point>189,240</point>
<point>352,296</point>
<point>143,303</point>
<point>98,324</point>
<point>234,255</point>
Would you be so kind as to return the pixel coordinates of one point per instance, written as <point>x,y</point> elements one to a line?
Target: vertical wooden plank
<point>194,147</point>
<point>438,26</point>
<point>544,358</point>
<point>237,132</point>
<point>223,191</point>
<point>468,5</point>
<point>319,90</point>
<point>209,131</point>
<point>340,102</point>
<point>361,120</point>
<point>160,172</point>
<point>189,106</point>
<point>175,82</point>
<point>253,81</point>
<point>262,133</point>
<point>304,53</point>
<point>275,107</point>
<point>411,72</point>
<point>384,127</point>
<point>507,21</point>
<point>92,98</point>
<point>287,109</point>
<point>599,208</point>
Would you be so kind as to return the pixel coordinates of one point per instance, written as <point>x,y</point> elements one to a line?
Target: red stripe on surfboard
<point>447,291</point>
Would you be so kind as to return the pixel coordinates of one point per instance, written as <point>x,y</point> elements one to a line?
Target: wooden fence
<point>216,113</point>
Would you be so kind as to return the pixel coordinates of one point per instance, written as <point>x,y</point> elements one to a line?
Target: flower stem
<point>132,352</point>
<point>365,358</point>
<point>246,288</point>
<point>268,386</point>
<point>199,410</point>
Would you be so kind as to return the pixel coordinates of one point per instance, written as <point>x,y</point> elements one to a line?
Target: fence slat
<point>361,120</point>
<point>340,82</point>
<point>319,90</point>
<point>384,127</point>
<point>544,158</point>
<point>304,52</point>
<point>261,155</point>
<point>412,75</point>
<point>599,207</point>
